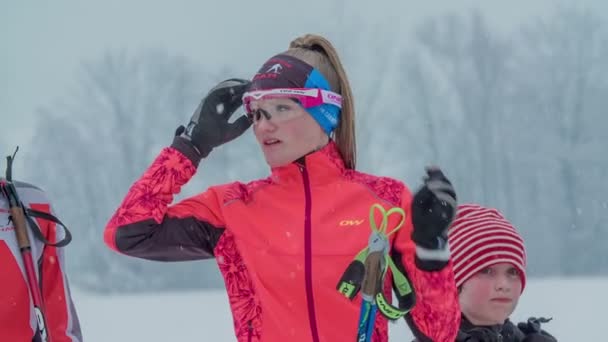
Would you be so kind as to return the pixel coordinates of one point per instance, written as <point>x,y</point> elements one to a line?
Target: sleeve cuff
<point>186,148</point>
<point>432,259</point>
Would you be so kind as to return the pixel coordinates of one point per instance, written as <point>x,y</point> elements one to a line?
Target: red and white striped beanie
<point>481,237</point>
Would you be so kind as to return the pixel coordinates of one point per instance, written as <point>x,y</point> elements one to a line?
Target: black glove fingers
<point>238,127</point>
<point>237,93</point>
<point>238,90</point>
<point>439,185</point>
<point>230,89</point>
<point>196,116</point>
<point>447,201</point>
<point>231,98</point>
<point>208,107</point>
<point>232,105</point>
<point>209,126</point>
<point>229,83</point>
<point>443,191</point>
<point>224,93</point>
<point>433,208</point>
<point>424,197</point>
<point>435,173</point>
<point>218,102</point>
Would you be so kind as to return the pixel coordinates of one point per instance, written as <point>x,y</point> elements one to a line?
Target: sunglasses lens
<point>255,115</point>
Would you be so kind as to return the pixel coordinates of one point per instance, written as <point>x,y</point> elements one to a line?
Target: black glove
<point>209,126</point>
<point>533,331</point>
<point>433,209</point>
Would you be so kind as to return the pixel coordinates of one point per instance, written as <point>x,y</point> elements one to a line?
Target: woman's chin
<point>276,161</point>
<point>273,161</point>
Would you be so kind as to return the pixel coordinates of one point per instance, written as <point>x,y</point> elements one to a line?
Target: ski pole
<point>375,267</point>
<point>18,216</point>
<point>367,272</point>
<point>369,288</point>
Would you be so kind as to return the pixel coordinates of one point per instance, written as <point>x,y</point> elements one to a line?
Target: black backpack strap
<point>30,213</point>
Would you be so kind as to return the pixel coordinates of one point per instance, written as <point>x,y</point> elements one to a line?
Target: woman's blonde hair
<point>321,54</point>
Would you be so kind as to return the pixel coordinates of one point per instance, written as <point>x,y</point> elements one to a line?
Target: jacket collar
<point>466,325</point>
<point>507,330</point>
<point>322,166</point>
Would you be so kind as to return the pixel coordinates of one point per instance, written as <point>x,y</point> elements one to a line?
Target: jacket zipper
<point>308,254</point>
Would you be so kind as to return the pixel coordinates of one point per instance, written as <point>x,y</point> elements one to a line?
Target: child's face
<point>490,296</point>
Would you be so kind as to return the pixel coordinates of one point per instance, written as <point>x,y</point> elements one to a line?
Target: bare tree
<point>455,83</point>
<point>561,91</point>
<point>94,145</point>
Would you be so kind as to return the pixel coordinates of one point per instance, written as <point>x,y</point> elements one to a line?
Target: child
<point>489,262</point>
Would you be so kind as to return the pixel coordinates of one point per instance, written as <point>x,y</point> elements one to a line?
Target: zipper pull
<point>301,164</point>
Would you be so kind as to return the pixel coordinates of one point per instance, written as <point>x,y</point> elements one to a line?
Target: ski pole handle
<point>17,214</point>
<point>8,189</point>
<point>373,273</point>
<point>18,217</point>
<point>369,288</point>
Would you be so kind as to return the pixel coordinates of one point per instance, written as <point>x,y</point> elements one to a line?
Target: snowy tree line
<point>516,120</point>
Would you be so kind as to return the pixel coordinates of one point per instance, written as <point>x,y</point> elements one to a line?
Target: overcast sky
<point>44,42</point>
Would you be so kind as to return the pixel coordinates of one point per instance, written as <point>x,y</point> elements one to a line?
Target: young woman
<point>283,242</point>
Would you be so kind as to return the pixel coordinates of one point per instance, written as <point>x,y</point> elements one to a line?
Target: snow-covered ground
<point>577,306</point>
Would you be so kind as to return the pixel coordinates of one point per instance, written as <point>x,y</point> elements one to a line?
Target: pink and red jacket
<point>282,244</point>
